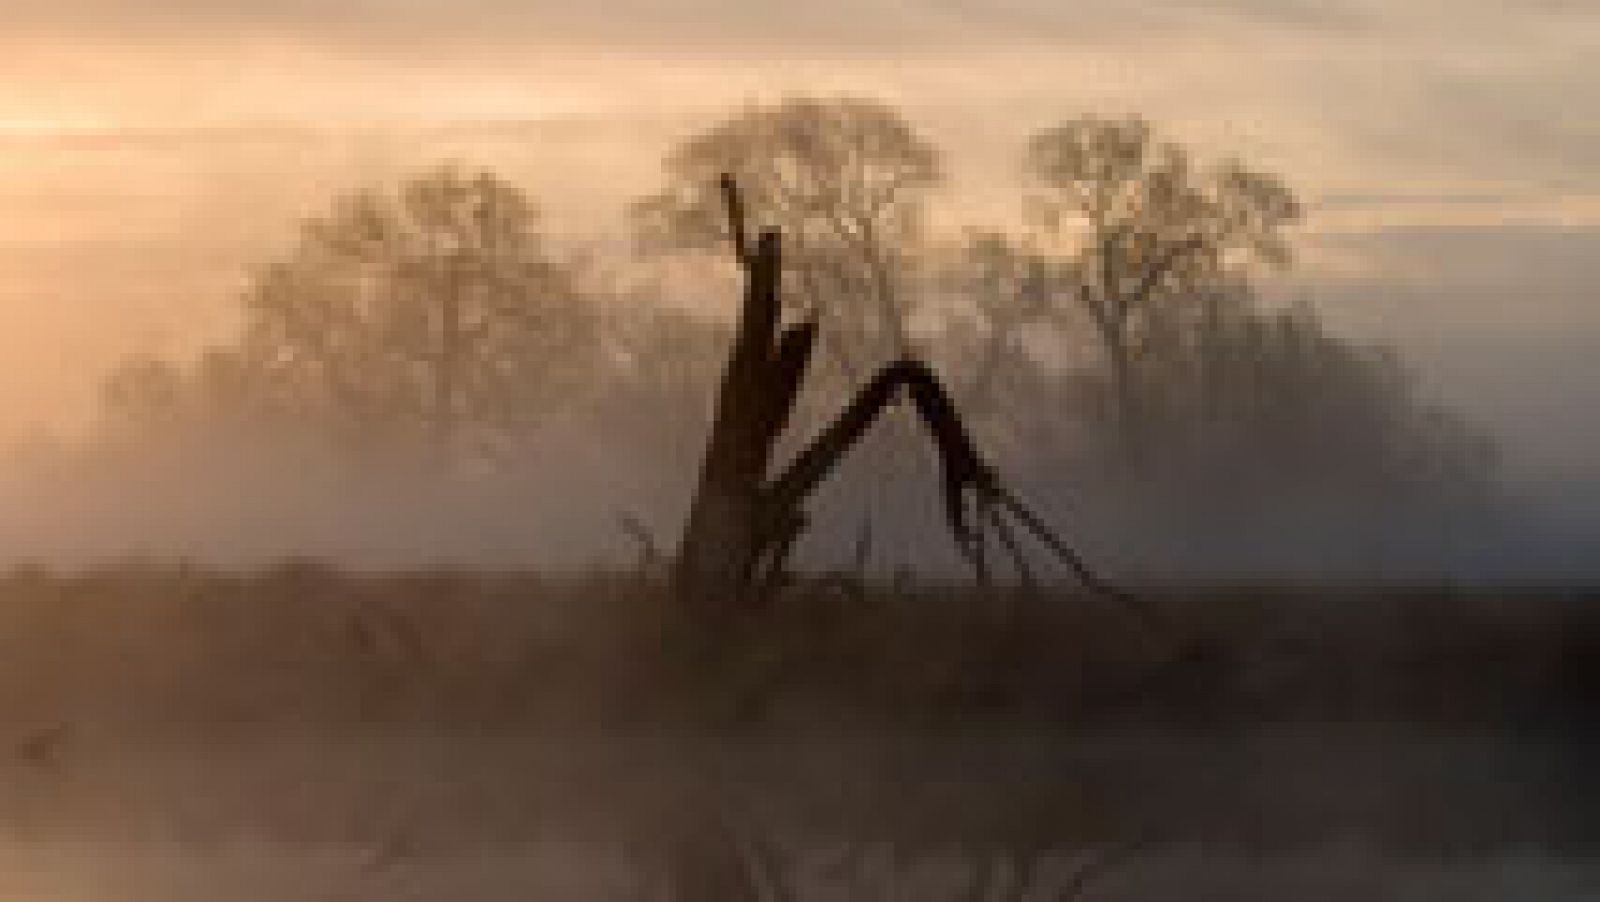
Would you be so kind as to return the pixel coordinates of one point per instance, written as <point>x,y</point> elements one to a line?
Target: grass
<point>989,742</point>
<point>305,643</point>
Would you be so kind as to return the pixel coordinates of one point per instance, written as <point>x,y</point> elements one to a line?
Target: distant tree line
<point>1116,343</point>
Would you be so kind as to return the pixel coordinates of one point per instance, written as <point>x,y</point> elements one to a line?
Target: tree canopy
<point>433,312</point>
<point>1148,237</point>
<point>845,179</point>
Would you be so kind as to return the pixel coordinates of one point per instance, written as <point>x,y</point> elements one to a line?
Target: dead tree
<point>744,520</point>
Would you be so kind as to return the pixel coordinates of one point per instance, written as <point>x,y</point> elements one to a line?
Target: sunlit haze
<point>153,153</point>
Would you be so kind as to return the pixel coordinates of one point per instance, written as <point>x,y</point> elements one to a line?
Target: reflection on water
<point>263,871</point>
<point>1334,813</point>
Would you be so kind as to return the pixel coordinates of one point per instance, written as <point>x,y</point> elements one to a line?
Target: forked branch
<point>742,524</point>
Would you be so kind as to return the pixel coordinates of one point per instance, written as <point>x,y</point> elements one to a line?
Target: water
<point>1333,812</point>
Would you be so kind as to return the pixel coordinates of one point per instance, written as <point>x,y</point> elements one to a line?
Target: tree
<point>435,312</point>
<point>999,295</point>
<point>1149,233</point>
<point>844,180</point>
<point>1272,398</point>
<point>744,520</point>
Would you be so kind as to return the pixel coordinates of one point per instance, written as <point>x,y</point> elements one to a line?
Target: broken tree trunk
<point>729,528</point>
<point>742,523</point>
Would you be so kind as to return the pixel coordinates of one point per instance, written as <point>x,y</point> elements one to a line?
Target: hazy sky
<point>152,150</point>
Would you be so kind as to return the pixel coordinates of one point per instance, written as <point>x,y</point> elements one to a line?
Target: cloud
<point>733,24</point>
<point>1419,114</point>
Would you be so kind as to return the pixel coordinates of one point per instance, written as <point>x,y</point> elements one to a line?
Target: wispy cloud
<point>197,130</point>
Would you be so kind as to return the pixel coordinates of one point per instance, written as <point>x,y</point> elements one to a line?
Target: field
<point>171,733</point>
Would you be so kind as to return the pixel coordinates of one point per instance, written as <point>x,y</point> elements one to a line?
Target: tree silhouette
<point>433,313</point>
<point>1146,235</point>
<point>844,179</point>
<point>1000,297</point>
<point>745,519</point>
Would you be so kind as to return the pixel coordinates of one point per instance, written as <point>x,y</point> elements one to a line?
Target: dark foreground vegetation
<point>513,732</point>
<point>175,647</point>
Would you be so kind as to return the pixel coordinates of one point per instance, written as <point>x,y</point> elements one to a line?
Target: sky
<point>152,152</point>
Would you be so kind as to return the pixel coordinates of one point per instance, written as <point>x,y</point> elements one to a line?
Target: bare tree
<point>435,312</point>
<point>844,179</point>
<point>744,520</point>
<point>1145,233</point>
<point>1000,293</point>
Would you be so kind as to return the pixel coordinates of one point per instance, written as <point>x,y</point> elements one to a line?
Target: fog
<point>156,156</point>
<point>358,362</point>
<point>1493,320</point>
